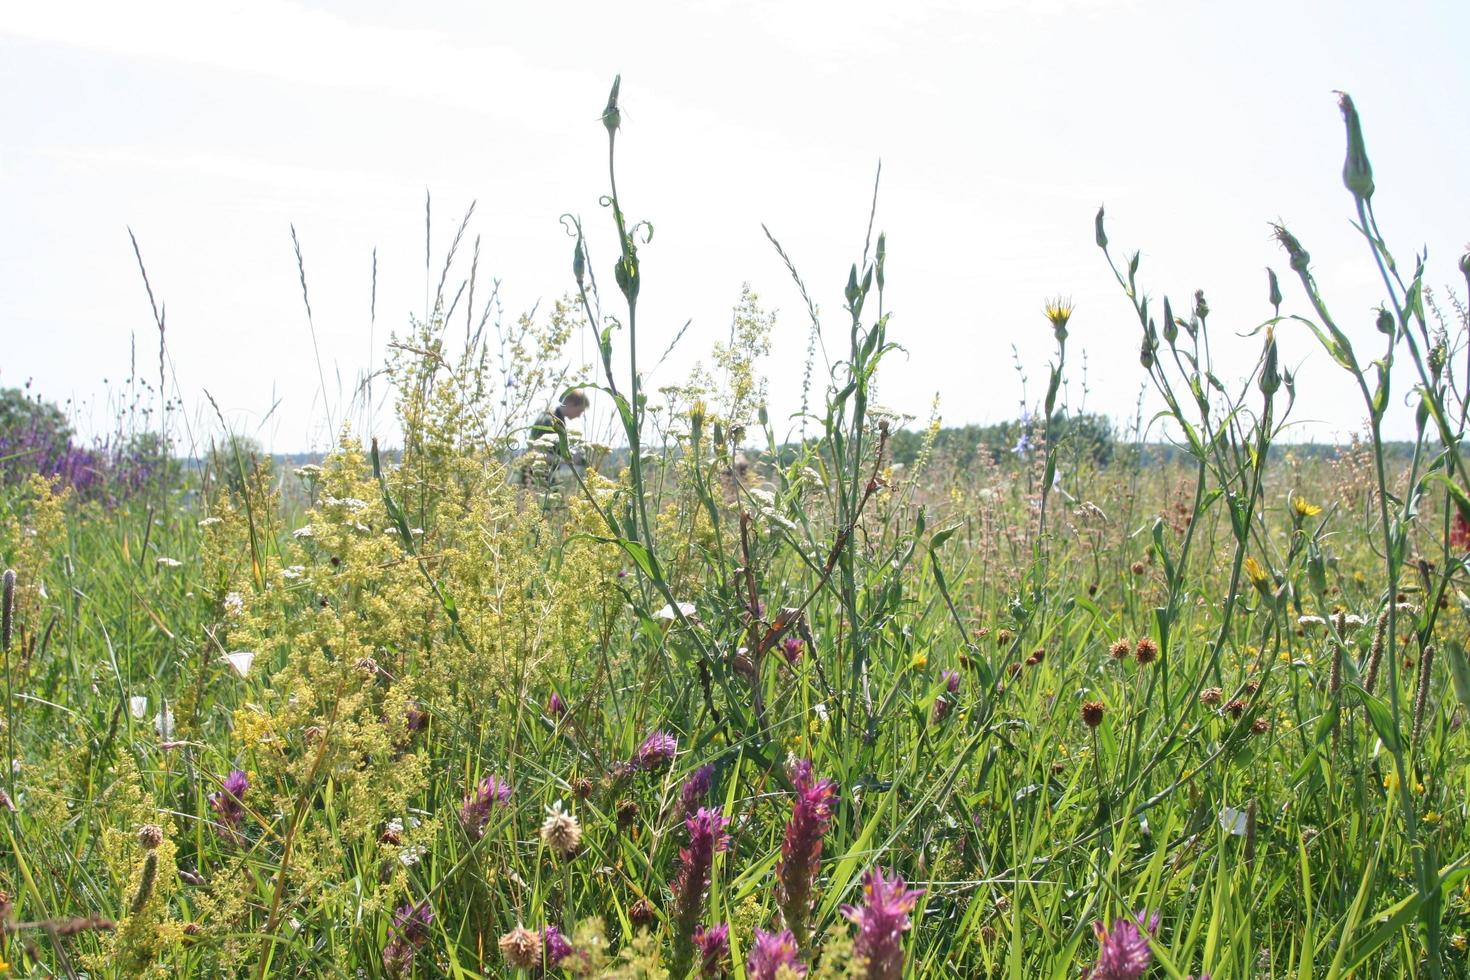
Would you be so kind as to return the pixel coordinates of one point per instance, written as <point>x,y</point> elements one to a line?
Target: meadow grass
<point>454,711</point>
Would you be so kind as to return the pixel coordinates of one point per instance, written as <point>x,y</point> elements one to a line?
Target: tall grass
<point>754,708</point>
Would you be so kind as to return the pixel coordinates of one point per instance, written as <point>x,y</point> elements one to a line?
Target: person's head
<point>573,403</point>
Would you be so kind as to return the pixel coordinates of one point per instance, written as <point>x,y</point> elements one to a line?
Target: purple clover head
<point>792,648</point>
<point>770,952</point>
<point>952,681</point>
<point>712,944</point>
<point>492,791</point>
<point>555,706</point>
<point>882,920</point>
<point>556,945</point>
<point>227,801</point>
<point>696,788</point>
<point>656,751</point>
<point>1123,952</point>
<point>411,922</point>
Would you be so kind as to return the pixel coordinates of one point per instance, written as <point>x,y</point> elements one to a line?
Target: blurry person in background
<point>544,443</point>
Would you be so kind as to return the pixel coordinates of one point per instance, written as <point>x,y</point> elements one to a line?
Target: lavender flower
<point>656,751</point>
<point>492,791</point>
<point>555,945</point>
<point>801,851</point>
<point>410,930</point>
<point>227,801</point>
<point>555,706</point>
<point>713,944</point>
<point>707,838</point>
<point>770,952</point>
<point>695,789</point>
<point>882,920</point>
<point>1123,952</point>
<point>792,648</point>
<point>952,681</point>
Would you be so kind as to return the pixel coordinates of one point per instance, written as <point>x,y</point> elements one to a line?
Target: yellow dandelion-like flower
<point>1433,816</point>
<point>1391,782</point>
<point>919,661</point>
<point>1301,507</point>
<point>1059,311</point>
<point>1257,573</point>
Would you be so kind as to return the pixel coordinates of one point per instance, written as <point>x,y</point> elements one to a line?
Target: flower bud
<point>1201,308</point>
<point>612,116</point>
<point>882,254</point>
<point>1270,376</point>
<point>1171,329</point>
<point>1317,572</point>
<point>1384,322</point>
<point>1357,173</point>
<point>579,263</point>
<point>1297,255</point>
<point>1274,290</point>
<point>1102,238</point>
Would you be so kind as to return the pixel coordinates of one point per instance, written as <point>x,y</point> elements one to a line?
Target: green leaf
<point>1459,671</point>
<point>1380,716</point>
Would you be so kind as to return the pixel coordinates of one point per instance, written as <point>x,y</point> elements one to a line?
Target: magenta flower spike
<point>882,920</point>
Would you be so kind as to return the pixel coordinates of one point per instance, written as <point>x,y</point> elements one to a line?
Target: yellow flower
<point>1459,942</point>
<point>1391,782</point>
<point>1257,574</point>
<point>919,661</point>
<point>1433,816</point>
<point>1302,508</point>
<point>1059,311</point>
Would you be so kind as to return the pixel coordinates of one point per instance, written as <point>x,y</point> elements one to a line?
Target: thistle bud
<point>1102,237</point>
<point>1201,308</point>
<point>1384,322</point>
<point>612,116</point>
<point>1357,173</point>
<point>1273,294</point>
<point>1171,329</point>
<point>1297,255</point>
<point>851,292</point>
<point>1146,352</point>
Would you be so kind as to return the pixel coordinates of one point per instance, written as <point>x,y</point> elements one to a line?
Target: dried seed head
<point>1210,696</point>
<point>521,947</point>
<point>560,832</point>
<point>150,835</point>
<point>1146,651</point>
<point>1092,713</point>
<point>1120,649</point>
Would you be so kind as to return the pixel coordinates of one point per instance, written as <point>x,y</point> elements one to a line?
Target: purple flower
<point>695,789</point>
<point>882,920</point>
<point>792,648</point>
<point>770,952</point>
<point>656,751</point>
<point>555,706</point>
<point>410,930</point>
<point>952,681</point>
<point>227,801</point>
<point>555,945</point>
<point>941,710</point>
<point>713,945</point>
<point>707,838</point>
<point>801,850</point>
<point>415,719</point>
<point>492,791</point>
<point>1123,952</point>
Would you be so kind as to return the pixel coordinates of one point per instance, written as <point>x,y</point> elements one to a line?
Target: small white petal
<point>240,660</point>
<point>138,706</point>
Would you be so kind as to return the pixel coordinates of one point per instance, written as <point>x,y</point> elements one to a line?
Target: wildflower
<point>409,931</point>
<point>656,751</point>
<point>521,947</point>
<point>1092,713</point>
<point>1059,311</point>
<point>1120,649</point>
<point>166,562</point>
<point>707,838</point>
<point>792,648</point>
<point>555,706</point>
<point>668,616</point>
<point>561,832</point>
<point>240,661</point>
<point>951,681</point>
<point>227,800</point>
<point>1433,816</point>
<point>1260,726</point>
<point>234,604</point>
<point>474,813</point>
<point>1145,651</point>
<point>1460,533</point>
<point>1210,696</point>
<point>1037,656</point>
<point>642,914</point>
<point>801,850</point>
<point>210,521</point>
<point>882,920</point>
<point>919,660</point>
<point>940,711</point>
<point>1301,508</point>
<point>1123,951</point>
<point>1310,621</point>
<point>627,811</point>
<point>1258,575</point>
<point>695,789</point>
<point>1236,707</point>
<point>556,945</point>
<point>1137,568</point>
<point>138,706</point>
<point>770,953</point>
<point>150,835</point>
<point>713,947</point>
<point>1357,173</point>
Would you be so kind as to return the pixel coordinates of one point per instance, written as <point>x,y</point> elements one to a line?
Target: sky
<point>210,129</point>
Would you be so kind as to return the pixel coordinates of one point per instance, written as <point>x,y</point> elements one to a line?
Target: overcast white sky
<point>210,127</point>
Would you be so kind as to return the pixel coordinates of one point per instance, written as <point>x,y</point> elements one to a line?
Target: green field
<point>689,706</point>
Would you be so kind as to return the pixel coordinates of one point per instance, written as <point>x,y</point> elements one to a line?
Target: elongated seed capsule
<point>145,883</point>
<point>1375,653</point>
